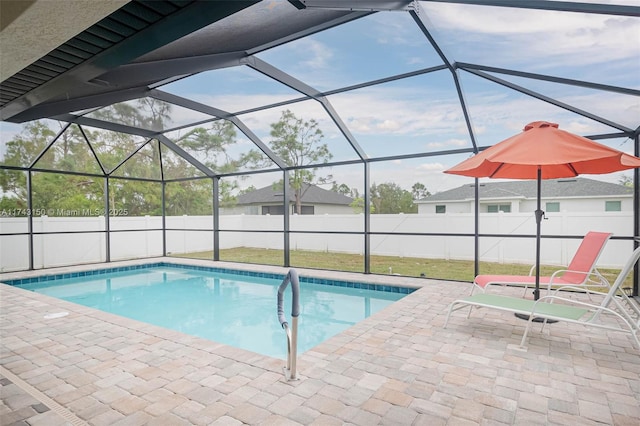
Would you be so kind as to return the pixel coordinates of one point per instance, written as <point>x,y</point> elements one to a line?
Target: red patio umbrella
<point>543,151</point>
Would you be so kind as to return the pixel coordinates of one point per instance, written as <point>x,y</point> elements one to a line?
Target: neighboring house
<point>570,195</point>
<point>315,200</point>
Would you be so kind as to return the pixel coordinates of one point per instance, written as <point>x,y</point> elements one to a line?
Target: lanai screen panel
<point>221,146</point>
<point>540,41</point>
<point>317,130</point>
<point>22,144</point>
<point>232,89</point>
<point>149,114</point>
<point>370,48</point>
<point>615,105</point>
<point>499,112</point>
<point>409,116</point>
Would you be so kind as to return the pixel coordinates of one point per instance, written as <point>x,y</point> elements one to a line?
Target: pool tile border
<point>303,279</point>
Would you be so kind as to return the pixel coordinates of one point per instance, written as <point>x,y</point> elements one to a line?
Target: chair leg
<point>469,313</point>
<point>446,321</point>
<point>473,287</point>
<point>543,324</point>
<point>526,331</point>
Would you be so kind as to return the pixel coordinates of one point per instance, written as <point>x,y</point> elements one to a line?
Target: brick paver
<point>398,367</point>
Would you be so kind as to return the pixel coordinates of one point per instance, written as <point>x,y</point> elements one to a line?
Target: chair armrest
<point>595,273</point>
<point>600,277</point>
<point>578,289</point>
<point>595,309</point>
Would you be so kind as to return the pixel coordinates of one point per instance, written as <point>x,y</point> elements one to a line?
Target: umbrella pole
<point>539,215</point>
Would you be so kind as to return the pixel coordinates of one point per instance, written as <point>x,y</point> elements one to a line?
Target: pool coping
<point>52,275</point>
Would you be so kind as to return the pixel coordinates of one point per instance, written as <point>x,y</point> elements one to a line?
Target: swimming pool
<point>237,308</point>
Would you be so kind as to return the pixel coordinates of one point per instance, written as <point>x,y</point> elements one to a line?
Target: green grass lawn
<point>458,270</point>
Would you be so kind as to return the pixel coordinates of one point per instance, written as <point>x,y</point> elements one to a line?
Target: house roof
<point>311,194</point>
<point>552,188</point>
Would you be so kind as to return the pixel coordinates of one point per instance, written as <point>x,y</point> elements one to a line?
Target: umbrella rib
<point>496,170</point>
<point>575,172</point>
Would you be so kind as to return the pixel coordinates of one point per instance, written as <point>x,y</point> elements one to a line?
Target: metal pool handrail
<point>292,333</point>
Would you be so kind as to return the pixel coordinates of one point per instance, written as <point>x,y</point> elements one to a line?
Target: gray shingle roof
<point>311,195</point>
<point>573,187</point>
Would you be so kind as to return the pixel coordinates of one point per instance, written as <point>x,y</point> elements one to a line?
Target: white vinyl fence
<point>71,248</point>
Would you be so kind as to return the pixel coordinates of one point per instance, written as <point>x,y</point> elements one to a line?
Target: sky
<point>422,114</point>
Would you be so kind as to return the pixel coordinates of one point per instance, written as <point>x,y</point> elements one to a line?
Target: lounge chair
<point>581,271</point>
<point>560,307</point>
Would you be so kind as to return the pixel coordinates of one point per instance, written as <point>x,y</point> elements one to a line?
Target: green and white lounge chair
<point>560,307</point>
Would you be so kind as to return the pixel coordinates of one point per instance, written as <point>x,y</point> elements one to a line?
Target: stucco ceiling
<point>31,29</point>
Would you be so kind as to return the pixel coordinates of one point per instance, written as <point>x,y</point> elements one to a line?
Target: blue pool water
<point>230,308</point>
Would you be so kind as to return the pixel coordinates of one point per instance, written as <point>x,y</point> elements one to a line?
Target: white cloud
<point>358,125</point>
<point>318,54</point>
<point>543,39</point>
<point>449,143</point>
<point>502,117</point>
<point>432,167</point>
<point>415,60</point>
<point>393,28</point>
<point>411,110</point>
<point>389,125</point>
<point>428,171</point>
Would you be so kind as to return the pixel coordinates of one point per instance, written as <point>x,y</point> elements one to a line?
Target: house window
<point>613,206</point>
<point>272,210</point>
<point>495,208</point>
<point>305,209</point>
<point>553,207</point>
<point>441,209</point>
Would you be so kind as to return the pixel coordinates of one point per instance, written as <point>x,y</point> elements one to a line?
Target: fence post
<point>44,224</point>
<point>502,242</point>
<point>147,222</point>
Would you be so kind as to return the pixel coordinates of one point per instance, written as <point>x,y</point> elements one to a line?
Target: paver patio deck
<point>397,367</point>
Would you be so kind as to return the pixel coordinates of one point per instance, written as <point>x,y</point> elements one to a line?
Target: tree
<point>51,192</point>
<point>57,193</point>
<point>358,205</point>
<point>21,151</point>
<point>247,190</point>
<point>345,190</point>
<point>136,197</point>
<point>146,113</point>
<point>626,180</point>
<point>419,191</point>
<point>212,146</point>
<point>190,197</point>
<point>299,143</point>
<point>341,189</point>
<point>389,198</point>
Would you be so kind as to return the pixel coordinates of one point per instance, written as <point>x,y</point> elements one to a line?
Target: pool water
<point>237,310</point>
